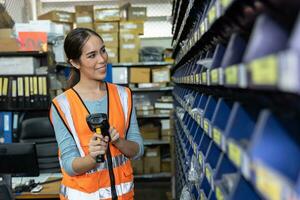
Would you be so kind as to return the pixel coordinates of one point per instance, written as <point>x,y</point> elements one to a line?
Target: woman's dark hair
<point>73,45</point>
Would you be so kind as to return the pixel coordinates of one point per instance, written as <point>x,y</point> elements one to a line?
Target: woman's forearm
<point>83,164</point>
<point>128,148</point>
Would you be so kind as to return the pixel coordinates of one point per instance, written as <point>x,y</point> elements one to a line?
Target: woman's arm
<point>131,147</point>
<point>72,163</point>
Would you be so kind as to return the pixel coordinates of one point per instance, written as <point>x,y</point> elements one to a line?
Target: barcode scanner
<point>98,123</point>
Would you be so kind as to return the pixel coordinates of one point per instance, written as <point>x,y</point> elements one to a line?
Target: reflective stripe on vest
<point>65,107</point>
<point>124,100</point>
<point>116,161</point>
<point>103,193</point>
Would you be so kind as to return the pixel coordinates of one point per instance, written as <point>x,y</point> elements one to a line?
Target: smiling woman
<point>83,177</point>
<point>85,50</point>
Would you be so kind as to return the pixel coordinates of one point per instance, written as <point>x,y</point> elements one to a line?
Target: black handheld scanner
<point>98,123</point>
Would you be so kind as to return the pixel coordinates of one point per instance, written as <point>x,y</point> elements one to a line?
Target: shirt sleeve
<point>134,134</point>
<point>66,144</point>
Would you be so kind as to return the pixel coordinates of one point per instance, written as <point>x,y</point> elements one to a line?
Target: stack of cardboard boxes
<point>84,16</point>
<point>131,26</point>
<point>107,25</point>
<point>119,27</point>
<point>60,17</point>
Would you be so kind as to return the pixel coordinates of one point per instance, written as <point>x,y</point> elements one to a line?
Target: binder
<point>31,95</point>
<point>1,83</point>
<point>7,127</point>
<point>15,125</point>
<point>35,102</point>
<point>1,128</point>
<point>45,91</point>
<point>40,91</point>
<point>26,92</point>
<point>20,85</point>
<point>13,97</point>
<point>5,92</point>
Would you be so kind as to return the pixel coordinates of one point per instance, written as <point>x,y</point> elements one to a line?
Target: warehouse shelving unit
<point>236,99</point>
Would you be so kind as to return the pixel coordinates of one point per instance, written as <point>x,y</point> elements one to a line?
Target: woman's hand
<point>114,135</point>
<point>98,145</point>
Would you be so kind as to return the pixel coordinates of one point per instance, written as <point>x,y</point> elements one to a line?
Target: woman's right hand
<point>98,145</point>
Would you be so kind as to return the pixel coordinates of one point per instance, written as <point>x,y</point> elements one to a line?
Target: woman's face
<point>93,59</point>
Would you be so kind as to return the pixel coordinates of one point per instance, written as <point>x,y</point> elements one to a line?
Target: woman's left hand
<point>114,135</point>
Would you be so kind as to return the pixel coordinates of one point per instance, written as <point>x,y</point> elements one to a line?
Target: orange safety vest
<point>112,179</point>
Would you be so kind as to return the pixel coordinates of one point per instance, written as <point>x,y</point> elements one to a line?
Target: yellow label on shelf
<point>219,194</point>
<point>202,196</point>
<point>206,125</point>
<point>26,82</point>
<point>199,119</point>
<point>234,153</point>
<point>217,136</point>
<point>200,159</point>
<point>0,86</point>
<point>5,86</point>
<point>212,14</point>
<point>231,75</point>
<point>203,80</point>
<point>197,78</point>
<point>202,28</point>
<point>225,3</point>
<point>264,71</point>
<point>269,185</point>
<point>215,76</point>
<point>208,174</point>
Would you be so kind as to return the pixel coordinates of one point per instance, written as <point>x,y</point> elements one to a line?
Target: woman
<point>83,177</point>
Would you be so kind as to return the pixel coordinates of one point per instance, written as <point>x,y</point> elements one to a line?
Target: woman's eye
<point>92,55</point>
<point>103,50</point>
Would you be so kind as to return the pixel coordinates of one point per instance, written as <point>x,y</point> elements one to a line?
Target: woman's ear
<point>74,64</point>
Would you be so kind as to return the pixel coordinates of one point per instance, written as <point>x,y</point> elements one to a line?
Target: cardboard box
<point>110,39</point>
<point>133,13</point>
<point>5,20</point>
<point>58,16</point>
<point>84,14</point>
<point>139,75</point>
<point>166,166</point>
<point>137,13</point>
<point>106,27</point>
<point>120,75</point>
<point>6,33</point>
<point>129,37</point>
<point>107,14</point>
<point>138,166</point>
<point>113,56</point>
<point>150,131</point>
<point>161,75</point>
<point>85,25</point>
<point>132,26</point>
<point>130,54</point>
<point>152,162</point>
<point>9,45</point>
